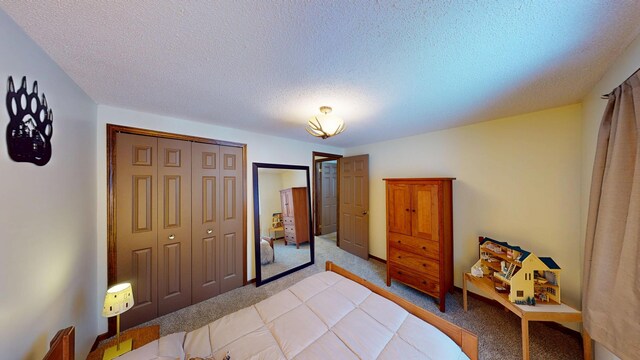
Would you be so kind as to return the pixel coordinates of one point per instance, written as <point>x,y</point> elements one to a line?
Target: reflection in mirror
<point>282,220</point>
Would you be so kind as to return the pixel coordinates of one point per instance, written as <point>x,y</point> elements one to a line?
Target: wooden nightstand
<point>140,337</point>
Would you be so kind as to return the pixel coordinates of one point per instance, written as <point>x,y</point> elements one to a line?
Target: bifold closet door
<point>231,230</point>
<point>205,214</point>
<point>136,227</point>
<point>174,220</point>
<point>179,222</point>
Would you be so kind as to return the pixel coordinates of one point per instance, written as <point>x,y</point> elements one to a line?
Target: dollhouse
<point>527,279</point>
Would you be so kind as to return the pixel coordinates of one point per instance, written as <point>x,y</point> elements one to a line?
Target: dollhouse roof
<point>524,253</point>
<point>550,263</point>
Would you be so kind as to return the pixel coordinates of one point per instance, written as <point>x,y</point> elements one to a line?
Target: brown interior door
<point>205,224</point>
<point>354,205</point>
<point>329,198</point>
<point>136,227</point>
<point>174,220</point>
<point>231,229</point>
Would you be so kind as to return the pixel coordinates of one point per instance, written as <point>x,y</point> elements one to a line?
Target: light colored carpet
<point>498,331</point>
<point>286,257</point>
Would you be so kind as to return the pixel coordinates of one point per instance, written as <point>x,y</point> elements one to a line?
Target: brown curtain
<point>611,289</point>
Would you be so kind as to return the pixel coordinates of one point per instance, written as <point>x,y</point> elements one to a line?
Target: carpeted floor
<point>286,257</point>
<point>498,330</point>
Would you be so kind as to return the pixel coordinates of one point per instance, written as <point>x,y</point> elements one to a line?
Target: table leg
<point>464,291</point>
<point>586,344</point>
<point>525,338</point>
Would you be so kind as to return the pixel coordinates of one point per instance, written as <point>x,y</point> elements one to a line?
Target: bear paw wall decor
<point>30,125</point>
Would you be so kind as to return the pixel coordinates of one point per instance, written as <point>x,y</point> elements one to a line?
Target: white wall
<point>260,148</point>
<point>518,180</point>
<point>269,190</point>
<point>593,109</point>
<point>47,214</point>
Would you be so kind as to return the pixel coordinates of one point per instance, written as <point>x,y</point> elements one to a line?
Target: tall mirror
<point>282,220</point>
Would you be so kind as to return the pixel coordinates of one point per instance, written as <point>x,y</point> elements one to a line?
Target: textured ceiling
<point>389,68</point>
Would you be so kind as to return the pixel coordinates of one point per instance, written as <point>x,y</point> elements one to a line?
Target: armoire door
<point>136,223</point>
<point>399,208</point>
<point>205,225</point>
<point>174,220</point>
<point>425,214</point>
<point>231,222</point>
<point>286,203</point>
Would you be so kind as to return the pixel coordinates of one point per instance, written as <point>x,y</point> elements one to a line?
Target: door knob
<point>171,237</point>
<point>209,231</point>
<point>364,212</point>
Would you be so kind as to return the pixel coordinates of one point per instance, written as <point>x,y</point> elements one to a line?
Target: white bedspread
<point>325,316</point>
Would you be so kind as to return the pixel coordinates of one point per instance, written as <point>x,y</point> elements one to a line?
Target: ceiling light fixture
<point>324,125</point>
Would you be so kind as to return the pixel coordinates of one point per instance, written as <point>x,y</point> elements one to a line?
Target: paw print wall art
<point>30,124</point>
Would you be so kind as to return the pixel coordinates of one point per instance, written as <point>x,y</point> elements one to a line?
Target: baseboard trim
<point>552,324</point>
<point>378,259</point>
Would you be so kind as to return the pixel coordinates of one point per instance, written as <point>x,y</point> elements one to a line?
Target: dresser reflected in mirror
<point>282,220</point>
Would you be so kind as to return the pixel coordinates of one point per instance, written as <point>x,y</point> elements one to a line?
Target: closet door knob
<point>209,231</point>
<point>171,237</point>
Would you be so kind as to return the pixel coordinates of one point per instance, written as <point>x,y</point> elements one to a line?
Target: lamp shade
<point>119,299</point>
<point>325,125</point>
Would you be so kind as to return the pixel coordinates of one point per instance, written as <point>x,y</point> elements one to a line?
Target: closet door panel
<point>205,225</point>
<point>231,230</point>
<point>136,227</point>
<point>174,218</point>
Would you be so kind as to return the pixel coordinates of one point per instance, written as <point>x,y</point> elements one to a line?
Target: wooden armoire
<point>295,215</point>
<point>179,219</point>
<point>420,234</point>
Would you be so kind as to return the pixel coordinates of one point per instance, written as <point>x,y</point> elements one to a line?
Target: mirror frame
<point>256,221</point>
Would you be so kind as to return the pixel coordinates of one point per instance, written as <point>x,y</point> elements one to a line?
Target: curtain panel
<point>611,287</point>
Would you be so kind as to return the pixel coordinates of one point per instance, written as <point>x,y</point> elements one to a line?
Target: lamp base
<point>113,352</point>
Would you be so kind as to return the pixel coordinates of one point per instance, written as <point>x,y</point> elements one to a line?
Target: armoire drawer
<point>289,238</point>
<point>288,220</point>
<point>423,247</point>
<point>414,279</point>
<point>415,262</point>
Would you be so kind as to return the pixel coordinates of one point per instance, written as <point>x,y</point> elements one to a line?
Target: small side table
<point>140,337</point>
<point>562,312</point>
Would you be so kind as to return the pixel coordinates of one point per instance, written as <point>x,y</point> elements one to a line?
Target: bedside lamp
<point>119,299</point>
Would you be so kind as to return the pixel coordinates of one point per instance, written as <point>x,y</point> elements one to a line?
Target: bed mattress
<point>324,316</point>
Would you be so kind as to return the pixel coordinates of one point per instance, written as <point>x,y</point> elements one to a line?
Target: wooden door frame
<point>327,157</point>
<point>112,131</point>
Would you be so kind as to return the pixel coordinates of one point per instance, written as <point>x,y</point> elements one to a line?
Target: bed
<point>330,315</point>
<point>62,346</point>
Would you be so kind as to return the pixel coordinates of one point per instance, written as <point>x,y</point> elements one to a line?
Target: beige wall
<point>269,190</point>
<point>260,148</point>
<point>518,180</point>
<point>593,109</point>
<point>47,213</point>
<point>271,182</point>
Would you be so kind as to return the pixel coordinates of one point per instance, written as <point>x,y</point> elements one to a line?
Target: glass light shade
<point>118,299</point>
<point>325,125</point>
